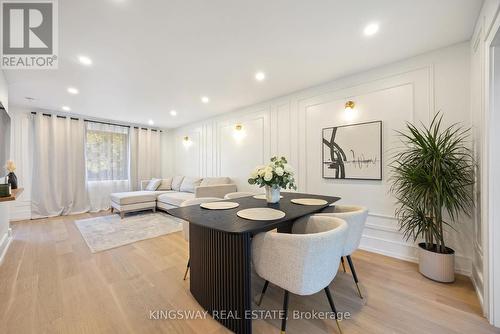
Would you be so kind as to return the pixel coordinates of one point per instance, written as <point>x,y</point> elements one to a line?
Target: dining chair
<point>185,223</point>
<point>238,194</point>
<point>303,262</point>
<point>355,217</point>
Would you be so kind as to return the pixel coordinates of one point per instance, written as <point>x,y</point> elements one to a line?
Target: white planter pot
<point>272,194</point>
<point>436,266</point>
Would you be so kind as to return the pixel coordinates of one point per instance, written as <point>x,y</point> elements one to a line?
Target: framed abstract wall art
<point>353,152</point>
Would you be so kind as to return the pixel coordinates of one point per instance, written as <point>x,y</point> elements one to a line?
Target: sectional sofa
<point>170,193</point>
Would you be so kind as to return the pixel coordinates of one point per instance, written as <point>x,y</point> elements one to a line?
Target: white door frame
<point>490,171</point>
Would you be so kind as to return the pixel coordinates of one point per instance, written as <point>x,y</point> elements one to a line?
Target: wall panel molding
<point>428,82</point>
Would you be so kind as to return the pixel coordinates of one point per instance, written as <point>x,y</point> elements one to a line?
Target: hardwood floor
<point>50,282</point>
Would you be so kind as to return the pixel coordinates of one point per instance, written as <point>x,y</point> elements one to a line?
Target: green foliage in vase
<point>433,174</point>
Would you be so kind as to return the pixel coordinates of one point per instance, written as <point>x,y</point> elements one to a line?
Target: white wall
<point>411,90</point>
<point>485,258</point>
<point>5,206</point>
<point>21,153</point>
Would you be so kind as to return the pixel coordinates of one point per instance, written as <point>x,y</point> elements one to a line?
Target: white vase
<point>272,194</point>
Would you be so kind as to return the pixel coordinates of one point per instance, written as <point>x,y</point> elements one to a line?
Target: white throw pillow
<point>189,183</point>
<point>176,183</point>
<point>166,184</point>
<point>212,181</point>
<point>153,184</point>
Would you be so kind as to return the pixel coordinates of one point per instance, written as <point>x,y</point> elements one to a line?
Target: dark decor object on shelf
<point>12,180</point>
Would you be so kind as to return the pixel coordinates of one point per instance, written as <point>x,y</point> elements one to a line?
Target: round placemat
<point>262,196</point>
<point>219,205</point>
<point>260,214</point>
<point>309,201</point>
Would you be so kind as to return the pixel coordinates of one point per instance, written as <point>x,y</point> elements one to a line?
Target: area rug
<point>106,232</point>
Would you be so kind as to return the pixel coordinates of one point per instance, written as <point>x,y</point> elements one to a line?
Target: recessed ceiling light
<point>173,112</point>
<point>205,99</point>
<point>72,90</point>
<point>66,108</point>
<point>260,76</point>
<point>84,60</point>
<point>371,29</point>
<point>151,122</point>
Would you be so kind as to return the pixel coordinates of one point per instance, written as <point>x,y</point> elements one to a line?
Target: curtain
<point>145,161</point>
<point>58,182</point>
<point>107,155</point>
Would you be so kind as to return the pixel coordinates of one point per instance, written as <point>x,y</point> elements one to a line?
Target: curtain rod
<point>99,122</point>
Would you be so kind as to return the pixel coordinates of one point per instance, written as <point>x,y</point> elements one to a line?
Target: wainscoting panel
<point>412,90</point>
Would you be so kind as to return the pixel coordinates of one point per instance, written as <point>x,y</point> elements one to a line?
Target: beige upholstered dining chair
<point>355,217</point>
<point>185,223</point>
<point>304,262</point>
<point>238,194</point>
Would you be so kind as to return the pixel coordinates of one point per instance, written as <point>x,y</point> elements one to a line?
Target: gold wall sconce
<point>349,106</point>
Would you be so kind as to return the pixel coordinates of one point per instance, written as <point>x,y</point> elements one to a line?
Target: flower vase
<point>272,194</point>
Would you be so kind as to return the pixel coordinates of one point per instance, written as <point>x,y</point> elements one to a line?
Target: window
<point>107,152</point>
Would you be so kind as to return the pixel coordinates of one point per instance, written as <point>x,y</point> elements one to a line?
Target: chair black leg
<point>285,313</point>
<point>351,265</point>
<point>187,270</point>
<point>263,292</point>
<point>342,260</point>
<point>332,305</point>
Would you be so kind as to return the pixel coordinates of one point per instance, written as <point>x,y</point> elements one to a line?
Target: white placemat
<point>262,196</point>
<point>261,214</point>
<point>219,205</point>
<point>309,201</point>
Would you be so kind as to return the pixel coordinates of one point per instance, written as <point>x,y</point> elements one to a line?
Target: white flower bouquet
<point>276,175</point>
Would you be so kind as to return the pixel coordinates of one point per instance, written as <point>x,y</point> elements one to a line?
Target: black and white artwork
<point>353,151</point>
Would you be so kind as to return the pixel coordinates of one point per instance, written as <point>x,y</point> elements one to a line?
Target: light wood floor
<point>51,283</point>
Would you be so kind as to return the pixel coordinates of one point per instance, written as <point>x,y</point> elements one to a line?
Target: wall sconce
<point>349,106</point>
<point>238,132</point>
<point>187,142</point>
<point>349,110</point>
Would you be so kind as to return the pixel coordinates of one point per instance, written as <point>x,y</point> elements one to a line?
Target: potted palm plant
<point>432,177</point>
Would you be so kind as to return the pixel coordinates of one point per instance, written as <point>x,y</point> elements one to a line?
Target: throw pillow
<point>189,183</point>
<point>153,184</point>
<point>166,184</point>
<point>176,183</point>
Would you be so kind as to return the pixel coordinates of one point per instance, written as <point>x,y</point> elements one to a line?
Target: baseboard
<point>408,252</point>
<point>4,244</point>
<point>477,282</point>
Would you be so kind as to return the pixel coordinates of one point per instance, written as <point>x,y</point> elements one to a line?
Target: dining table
<point>220,252</point>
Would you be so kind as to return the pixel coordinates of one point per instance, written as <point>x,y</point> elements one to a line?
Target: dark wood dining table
<point>220,253</point>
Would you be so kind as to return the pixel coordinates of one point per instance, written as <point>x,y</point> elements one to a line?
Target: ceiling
<point>150,57</point>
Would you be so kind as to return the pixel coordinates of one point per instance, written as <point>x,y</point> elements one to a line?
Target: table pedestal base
<point>220,275</point>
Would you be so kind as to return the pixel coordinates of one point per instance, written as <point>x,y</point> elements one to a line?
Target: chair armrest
<point>219,190</point>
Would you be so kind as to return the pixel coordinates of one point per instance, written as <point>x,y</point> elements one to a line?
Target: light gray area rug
<point>106,232</point>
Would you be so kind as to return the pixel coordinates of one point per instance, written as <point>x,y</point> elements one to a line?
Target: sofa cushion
<point>176,183</point>
<point>212,181</point>
<point>166,184</point>
<point>132,197</point>
<point>175,198</point>
<point>189,183</point>
<point>153,184</point>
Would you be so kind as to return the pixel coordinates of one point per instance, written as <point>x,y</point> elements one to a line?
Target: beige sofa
<point>171,193</point>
